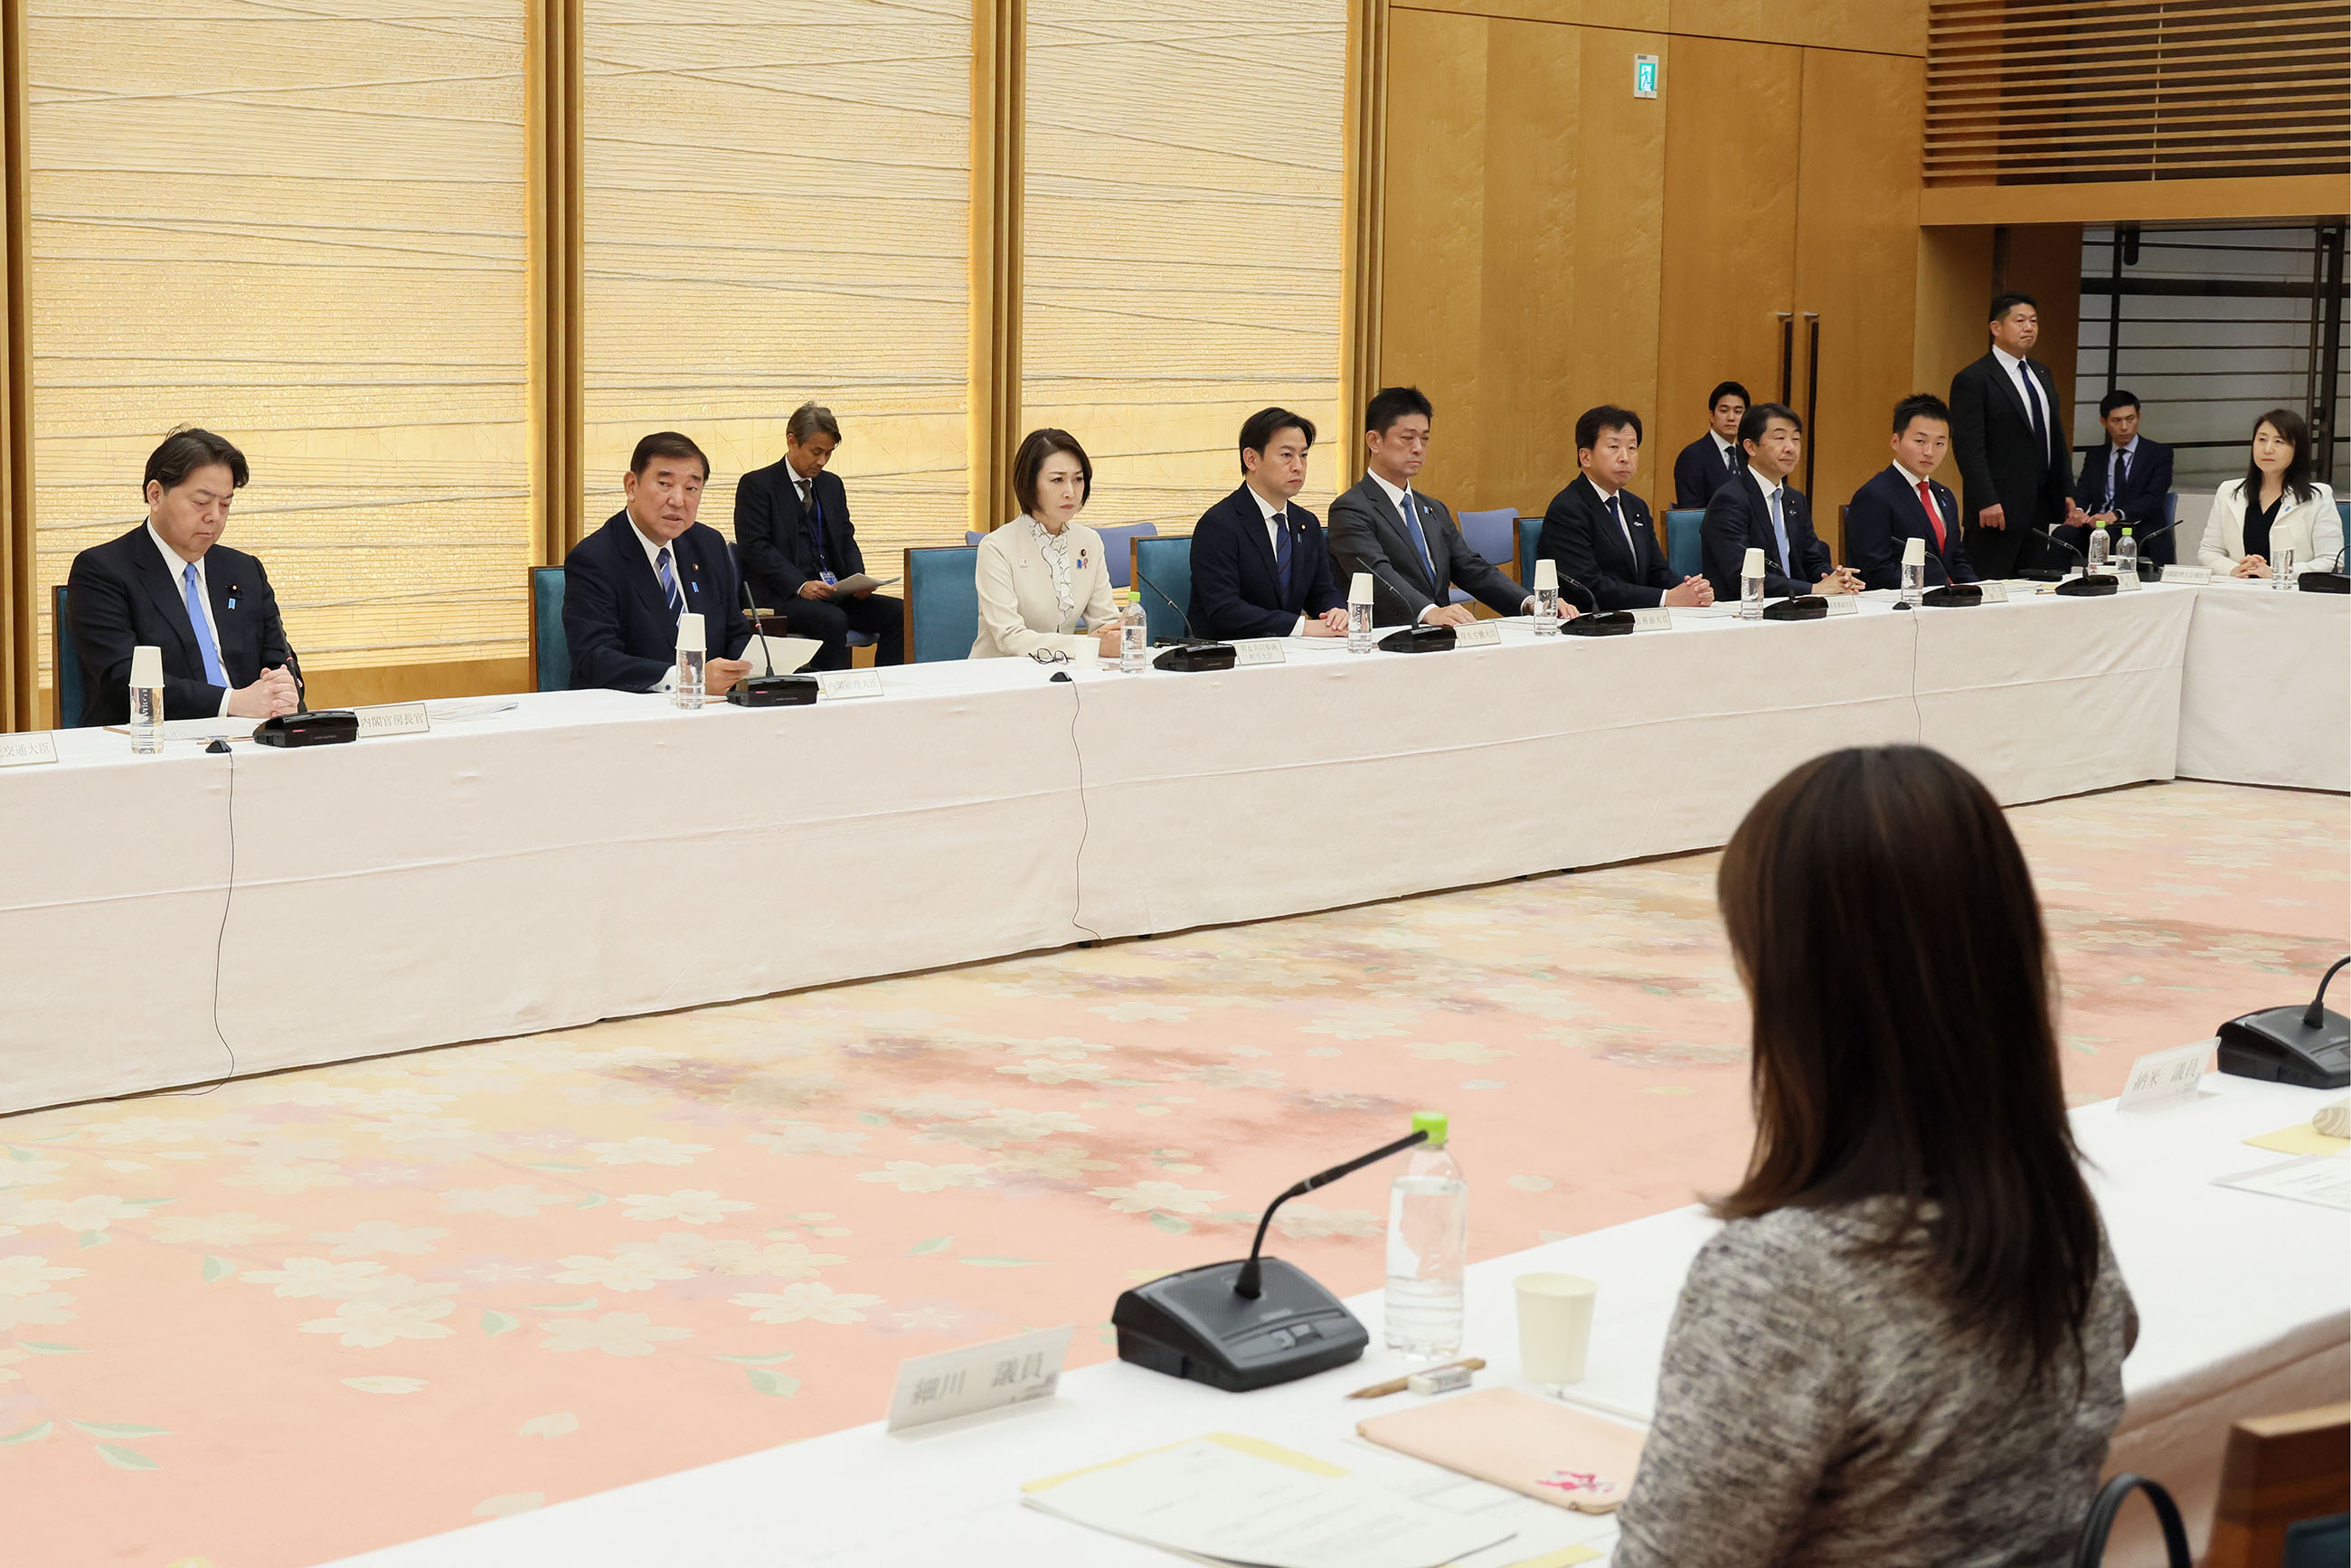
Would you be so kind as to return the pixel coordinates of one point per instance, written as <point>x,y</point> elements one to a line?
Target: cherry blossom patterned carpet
<point>305,1315</point>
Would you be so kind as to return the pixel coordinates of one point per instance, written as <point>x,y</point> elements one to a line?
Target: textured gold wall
<point>1184,243</point>
<point>303,230</point>
<point>776,210</point>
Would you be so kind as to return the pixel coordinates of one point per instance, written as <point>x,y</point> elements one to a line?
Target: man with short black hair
<point>792,528</point>
<point>1762,512</point>
<point>1714,459</point>
<point>171,584</point>
<point>2126,481</point>
<point>625,585</point>
<point>1900,503</point>
<point>1261,567</point>
<point>2006,431</point>
<point>1408,542</point>
<point>1599,533</point>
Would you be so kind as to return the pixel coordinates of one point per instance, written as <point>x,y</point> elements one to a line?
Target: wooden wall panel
<point>1729,252</point>
<point>1637,14</point>
<point>1856,257</point>
<point>1879,27</point>
<point>1954,288</point>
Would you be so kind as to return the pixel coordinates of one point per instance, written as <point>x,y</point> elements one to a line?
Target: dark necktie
<point>1617,510</point>
<point>815,514</point>
<point>2116,471</point>
<point>1738,455</point>
<point>2032,402</point>
<point>1282,549</point>
<point>669,583</point>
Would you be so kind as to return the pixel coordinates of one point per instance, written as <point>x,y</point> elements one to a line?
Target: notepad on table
<point>1534,1447</point>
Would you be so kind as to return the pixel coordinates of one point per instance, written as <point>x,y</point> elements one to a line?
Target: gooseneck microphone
<point>2316,1015</point>
<point>1248,1281</point>
<point>2085,586</point>
<point>1194,653</point>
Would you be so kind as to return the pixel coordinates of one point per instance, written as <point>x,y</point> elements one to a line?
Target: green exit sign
<point>1644,76</point>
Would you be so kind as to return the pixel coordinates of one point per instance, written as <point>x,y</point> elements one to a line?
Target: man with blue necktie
<point>625,585</point>
<point>1760,510</point>
<point>2127,481</point>
<point>1259,565</point>
<point>169,583</point>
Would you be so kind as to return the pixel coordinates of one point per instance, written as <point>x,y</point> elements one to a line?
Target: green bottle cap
<point>1433,1122</point>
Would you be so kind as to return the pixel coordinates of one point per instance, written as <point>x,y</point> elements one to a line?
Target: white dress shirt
<point>1721,447</point>
<point>1274,540</point>
<point>176,567</point>
<point>2129,452</point>
<point>1607,495</point>
<point>2029,389</point>
<point>653,548</point>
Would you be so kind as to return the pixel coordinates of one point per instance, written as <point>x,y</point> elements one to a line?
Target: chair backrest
<point>1167,595</point>
<point>1529,542</point>
<point>70,683</point>
<point>1490,534</point>
<point>942,602</point>
<point>973,535</point>
<point>1120,558</point>
<point>2277,1471</point>
<point>1684,557</point>
<point>551,650</point>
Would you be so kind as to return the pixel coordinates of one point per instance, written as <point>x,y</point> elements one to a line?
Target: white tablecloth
<point>2266,692</point>
<point>2245,1308</point>
<point>598,854</point>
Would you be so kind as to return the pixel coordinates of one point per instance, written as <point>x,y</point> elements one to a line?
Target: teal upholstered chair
<point>1488,533</point>
<point>942,602</point>
<point>551,650</point>
<point>1684,555</point>
<point>68,681</point>
<point>1167,596</point>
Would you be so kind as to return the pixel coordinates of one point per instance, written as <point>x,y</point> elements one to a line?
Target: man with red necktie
<point>1900,503</point>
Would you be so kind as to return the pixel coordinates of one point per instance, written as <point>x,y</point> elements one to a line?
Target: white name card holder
<point>2165,1077</point>
<point>1657,619</point>
<point>2193,576</point>
<point>1250,651</point>
<point>976,1377</point>
<point>394,718</point>
<point>1994,592</point>
<point>840,686</point>
<point>1845,603</point>
<point>1478,635</point>
<point>24,750</point>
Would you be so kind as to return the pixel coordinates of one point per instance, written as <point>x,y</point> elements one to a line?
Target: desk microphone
<point>771,690</point>
<point>1193,654</point>
<point>2084,586</point>
<point>2307,1046</point>
<point>2331,581</point>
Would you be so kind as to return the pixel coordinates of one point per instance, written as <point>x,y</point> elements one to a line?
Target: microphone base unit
<point>775,691</point>
<point>1599,623</point>
<point>1952,595</point>
<point>2041,573</point>
<point>2276,1045</point>
<point>1194,655</point>
<point>1419,640</point>
<point>2326,582</point>
<point>1194,1326</point>
<point>1803,607</point>
<point>2097,586</point>
<point>330,727</point>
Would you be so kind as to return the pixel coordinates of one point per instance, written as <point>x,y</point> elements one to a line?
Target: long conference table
<point>2244,1309</point>
<point>563,857</point>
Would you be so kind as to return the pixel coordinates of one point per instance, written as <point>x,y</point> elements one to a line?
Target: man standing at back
<point>625,585</point>
<point>2016,470</point>
<point>1710,461</point>
<point>1408,542</point>
<point>792,530</point>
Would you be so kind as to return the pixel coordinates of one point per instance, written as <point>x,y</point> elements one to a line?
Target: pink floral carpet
<point>305,1315</point>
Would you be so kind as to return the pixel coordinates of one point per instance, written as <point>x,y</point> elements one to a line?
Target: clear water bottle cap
<point>146,667</point>
<point>1434,1124</point>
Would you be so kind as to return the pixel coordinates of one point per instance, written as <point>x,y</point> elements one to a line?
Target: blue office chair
<point>1684,555</point>
<point>1489,534</point>
<point>1167,596</point>
<point>942,602</point>
<point>1115,540</point>
<point>973,535</point>
<point>551,650</point>
<point>69,682</point>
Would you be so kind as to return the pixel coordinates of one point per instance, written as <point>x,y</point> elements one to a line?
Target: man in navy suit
<point>625,585</point>
<point>1899,503</point>
<point>1710,461</point>
<point>1760,512</point>
<point>791,525</point>
<point>1599,533</point>
<point>1259,565</point>
<point>2014,464</point>
<point>169,584</point>
<point>2126,480</point>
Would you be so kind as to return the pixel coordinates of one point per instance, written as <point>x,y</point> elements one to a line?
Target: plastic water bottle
<point>1750,587</point>
<point>2126,554</point>
<point>146,701</point>
<point>1428,1247</point>
<point>2098,542</point>
<point>1133,633</point>
<point>1359,613</point>
<point>690,651</point>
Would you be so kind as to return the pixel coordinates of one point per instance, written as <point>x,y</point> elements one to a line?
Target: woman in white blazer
<point>1042,576</point>
<point>2276,507</point>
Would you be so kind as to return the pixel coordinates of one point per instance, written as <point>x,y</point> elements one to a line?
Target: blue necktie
<point>1779,531</point>
<point>1282,550</point>
<point>214,674</point>
<point>1412,520</point>
<point>669,583</point>
<point>2116,473</point>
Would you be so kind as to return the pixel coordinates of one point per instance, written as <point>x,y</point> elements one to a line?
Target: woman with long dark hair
<point>1905,1346</point>
<point>2277,506</point>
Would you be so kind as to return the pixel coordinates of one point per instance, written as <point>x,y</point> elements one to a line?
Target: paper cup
<point>1358,591</point>
<point>689,633</point>
<point>1546,576</point>
<point>146,667</point>
<point>1914,552</point>
<point>1554,1327</point>
<point>1753,565</point>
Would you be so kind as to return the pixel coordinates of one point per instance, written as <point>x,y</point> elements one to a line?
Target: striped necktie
<point>669,583</point>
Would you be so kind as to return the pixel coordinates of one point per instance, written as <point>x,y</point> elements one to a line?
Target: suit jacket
<point>2000,462</point>
<point>118,597</point>
<point>1019,613</point>
<point>2144,487</point>
<point>1886,515</point>
<point>1737,522</point>
<point>1368,534</point>
<point>1236,587</point>
<point>1579,534</point>
<point>2313,528</point>
<point>773,537</point>
<point>620,627</point>
<point>1698,472</point>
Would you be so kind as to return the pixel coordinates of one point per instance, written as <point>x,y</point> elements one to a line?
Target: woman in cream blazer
<point>2300,512</point>
<point>1043,576</point>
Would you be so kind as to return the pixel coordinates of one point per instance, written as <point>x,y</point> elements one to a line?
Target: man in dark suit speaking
<point>1760,511</point>
<point>1260,566</point>
<point>169,583</point>
<point>1599,533</point>
<point>2015,468</point>
<point>1408,542</point>
<point>625,585</point>
<point>791,525</point>
<point>1899,503</point>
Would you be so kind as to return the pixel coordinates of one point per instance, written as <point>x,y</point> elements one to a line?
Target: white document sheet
<point>786,654</point>
<point>2322,1179</point>
<point>1230,1505</point>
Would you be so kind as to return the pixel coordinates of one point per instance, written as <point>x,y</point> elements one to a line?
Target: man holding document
<point>800,551</point>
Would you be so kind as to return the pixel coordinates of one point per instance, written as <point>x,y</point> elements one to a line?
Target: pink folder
<point>1531,1445</point>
